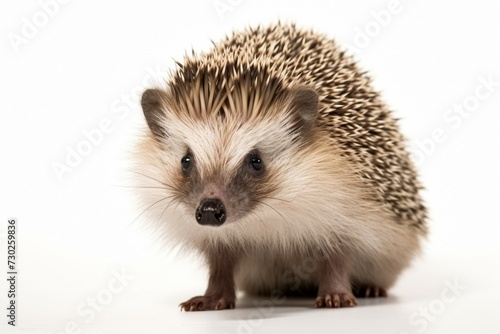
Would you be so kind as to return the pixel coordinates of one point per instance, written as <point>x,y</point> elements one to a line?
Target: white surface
<point>90,57</point>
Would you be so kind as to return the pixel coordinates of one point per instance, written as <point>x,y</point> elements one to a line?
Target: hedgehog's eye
<point>186,163</point>
<point>255,162</point>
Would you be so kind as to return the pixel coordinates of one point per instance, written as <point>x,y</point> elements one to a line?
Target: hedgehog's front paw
<point>336,300</point>
<point>205,303</point>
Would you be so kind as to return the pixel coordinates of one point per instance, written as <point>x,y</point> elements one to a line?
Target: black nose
<point>211,212</point>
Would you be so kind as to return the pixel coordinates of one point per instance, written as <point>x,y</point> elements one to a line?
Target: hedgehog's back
<point>350,109</point>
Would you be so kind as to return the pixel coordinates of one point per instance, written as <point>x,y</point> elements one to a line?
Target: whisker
<point>149,207</point>
<point>178,202</point>
<point>139,187</point>
<point>154,179</point>
<point>275,210</point>
<point>278,199</point>
<point>166,207</point>
<point>258,216</point>
<point>246,221</point>
<point>168,186</point>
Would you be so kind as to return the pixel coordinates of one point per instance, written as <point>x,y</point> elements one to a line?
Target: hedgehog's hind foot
<point>369,292</point>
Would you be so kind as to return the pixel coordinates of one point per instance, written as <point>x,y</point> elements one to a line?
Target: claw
<point>328,301</point>
<point>336,301</point>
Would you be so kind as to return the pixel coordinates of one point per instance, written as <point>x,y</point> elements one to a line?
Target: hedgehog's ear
<point>304,105</point>
<point>153,108</point>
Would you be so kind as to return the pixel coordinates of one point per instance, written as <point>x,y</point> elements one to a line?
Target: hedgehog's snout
<point>211,211</point>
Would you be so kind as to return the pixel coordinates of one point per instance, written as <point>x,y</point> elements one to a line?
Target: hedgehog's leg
<point>334,286</point>
<point>220,292</point>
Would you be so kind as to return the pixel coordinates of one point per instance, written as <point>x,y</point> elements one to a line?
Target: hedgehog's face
<point>221,167</point>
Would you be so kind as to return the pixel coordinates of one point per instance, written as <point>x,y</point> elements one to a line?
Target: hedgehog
<point>273,158</point>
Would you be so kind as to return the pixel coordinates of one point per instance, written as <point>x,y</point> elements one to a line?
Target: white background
<point>86,59</point>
